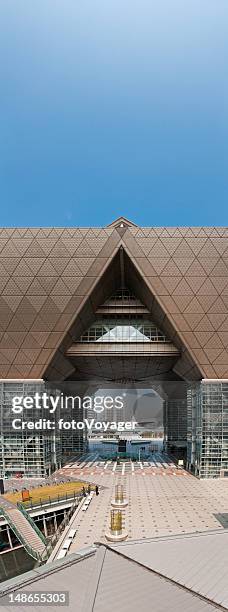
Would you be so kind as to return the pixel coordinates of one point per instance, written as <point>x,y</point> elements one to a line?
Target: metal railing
<point>52,542</point>
<point>49,501</point>
<point>32,522</point>
<point>29,549</point>
<point>49,545</point>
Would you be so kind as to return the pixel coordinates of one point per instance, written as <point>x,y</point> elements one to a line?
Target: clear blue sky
<point>113,107</point>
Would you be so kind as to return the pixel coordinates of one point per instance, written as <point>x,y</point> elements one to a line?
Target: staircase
<point>24,528</point>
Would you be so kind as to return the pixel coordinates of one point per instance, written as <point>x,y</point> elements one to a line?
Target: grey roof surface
<point>196,561</point>
<point>72,574</point>
<point>129,587</point>
<point>109,581</point>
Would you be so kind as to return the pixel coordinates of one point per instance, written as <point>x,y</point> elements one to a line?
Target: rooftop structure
<point>121,303</point>
<point>127,576</point>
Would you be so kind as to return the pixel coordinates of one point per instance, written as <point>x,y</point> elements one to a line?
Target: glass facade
<point>199,422</point>
<point>123,319</point>
<point>123,330</point>
<point>207,435</point>
<point>25,452</point>
<point>35,453</point>
<point>122,295</point>
<point>175,426</point>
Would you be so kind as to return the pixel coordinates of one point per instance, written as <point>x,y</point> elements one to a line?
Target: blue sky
<point>111,108</point>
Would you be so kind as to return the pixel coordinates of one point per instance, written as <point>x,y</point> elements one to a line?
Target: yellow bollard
<point>116,521</point>
<point>116,533</point>
<point>119,494</point>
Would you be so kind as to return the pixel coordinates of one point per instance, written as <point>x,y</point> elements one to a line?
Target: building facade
<point>118,305</point>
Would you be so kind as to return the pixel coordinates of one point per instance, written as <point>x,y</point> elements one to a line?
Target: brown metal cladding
<point>46,275</point>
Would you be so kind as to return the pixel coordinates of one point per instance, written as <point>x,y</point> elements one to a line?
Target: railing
<point>32,523</point>
<point>49,545</point>
<point>40,502</point>
<point>52,542</point>
<point>33,553</point>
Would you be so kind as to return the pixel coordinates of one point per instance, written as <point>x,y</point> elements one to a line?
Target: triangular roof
<point>111,578</point>
<point>47,274</point>
<point>122,220</point>
<point>197,561</point>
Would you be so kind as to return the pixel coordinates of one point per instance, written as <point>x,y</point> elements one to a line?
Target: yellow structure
<point>46,493</point>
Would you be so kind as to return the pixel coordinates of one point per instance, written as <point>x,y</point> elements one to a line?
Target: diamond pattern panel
<point>195,275</point>
<point>47,273</point>
<point>41,271</point>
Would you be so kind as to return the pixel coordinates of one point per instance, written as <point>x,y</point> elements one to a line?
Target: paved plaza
<point>163,500</point>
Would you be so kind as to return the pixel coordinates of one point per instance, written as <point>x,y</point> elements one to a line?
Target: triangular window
<point>121,325</point>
